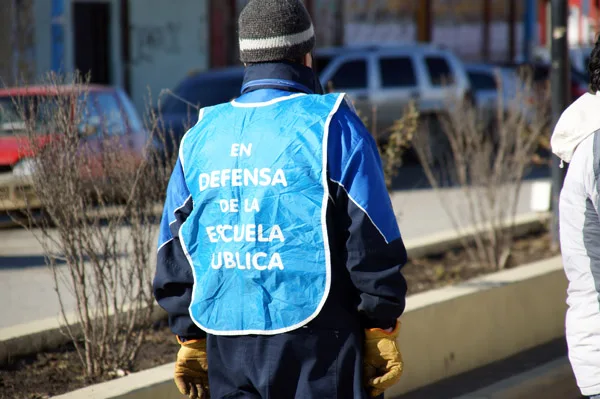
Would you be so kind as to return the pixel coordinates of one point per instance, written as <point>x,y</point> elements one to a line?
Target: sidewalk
<point>543,372</point>
<point>27,289</point>
<point>552,380</point>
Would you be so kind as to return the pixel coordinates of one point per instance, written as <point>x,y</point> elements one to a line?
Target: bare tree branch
<point>484,156</point>
<point>101,218</point>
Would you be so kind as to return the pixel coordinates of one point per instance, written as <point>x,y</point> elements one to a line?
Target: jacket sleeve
<point>375,252</point>
<point>174,280</point>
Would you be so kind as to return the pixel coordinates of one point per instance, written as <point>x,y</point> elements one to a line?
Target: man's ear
<point>308,60</point>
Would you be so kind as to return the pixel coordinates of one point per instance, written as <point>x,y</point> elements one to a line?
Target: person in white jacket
<point>576,141</point>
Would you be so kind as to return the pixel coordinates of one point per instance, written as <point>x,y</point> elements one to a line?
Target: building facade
<point>141,45</point>
<point>583,22</point>
<point>454,24</point>
<point>149,45</point>
<point>17,38</point>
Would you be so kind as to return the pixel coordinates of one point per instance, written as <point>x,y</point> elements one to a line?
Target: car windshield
<point>482,80</point>
<point>15,111</point>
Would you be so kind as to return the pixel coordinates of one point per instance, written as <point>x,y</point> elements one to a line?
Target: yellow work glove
<point>383,363</point>
<point>191,369</point>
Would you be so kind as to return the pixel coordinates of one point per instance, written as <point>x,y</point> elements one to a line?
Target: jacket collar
<point>282,75</point>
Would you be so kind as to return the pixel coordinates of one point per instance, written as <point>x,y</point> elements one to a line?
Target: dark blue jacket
<point>367,287</point>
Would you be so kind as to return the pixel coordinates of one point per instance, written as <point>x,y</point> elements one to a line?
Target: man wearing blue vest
<point>279,259</point>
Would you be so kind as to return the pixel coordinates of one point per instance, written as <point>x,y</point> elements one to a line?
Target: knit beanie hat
<point>273,30</point>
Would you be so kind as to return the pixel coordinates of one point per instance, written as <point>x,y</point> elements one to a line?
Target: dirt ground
<point>455,266</point>
<point>53,373</point>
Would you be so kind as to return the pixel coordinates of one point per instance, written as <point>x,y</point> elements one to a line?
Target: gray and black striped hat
<point>273,30</point>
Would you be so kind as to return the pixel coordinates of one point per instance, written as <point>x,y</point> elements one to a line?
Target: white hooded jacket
<point>576,140</point>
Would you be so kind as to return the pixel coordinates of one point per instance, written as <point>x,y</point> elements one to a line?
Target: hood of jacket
<point>577,122</point>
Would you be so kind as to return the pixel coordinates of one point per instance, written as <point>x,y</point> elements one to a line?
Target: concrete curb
<point>432,339</point>
<point>441,242</point>
<point>42,335</point>
<point>504,314</point>
<point>152,383</point>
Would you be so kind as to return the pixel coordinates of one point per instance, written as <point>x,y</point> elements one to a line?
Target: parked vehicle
<point>540,74</point>
<point>179,108</point>
<point>108,111</point>
<point>386,79</point>
<point>383,79</point>
<point>579,57</point>
<point>324,55</point>
<point>499,91</point>
<point>488,82</point>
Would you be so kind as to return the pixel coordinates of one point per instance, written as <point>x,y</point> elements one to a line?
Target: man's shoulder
<point>346,104</point>
<point>349,105</point>
<point>348,125</point>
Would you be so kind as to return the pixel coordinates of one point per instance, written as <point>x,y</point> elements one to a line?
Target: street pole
<point>424,16</point>
<point>125,45</point>
<point>57,35</point>
<point>485,42</point>
<point>340,23</point>
<point>512,19</point>
<point>530,39</point>
<point>560,78</point>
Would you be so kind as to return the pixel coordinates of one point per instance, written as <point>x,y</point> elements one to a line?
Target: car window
<point>482,81</point>
<point>88,112</point>
<point>202,92</point>
<point>439,71</point>
<point>10,117</point>
<point>41,110</point>
<point>350,75</point>
<point>541,74</point>
<point>321,62</point>
<point>133,119</point>
<point>397,72</point>
<point>537,73</point>
<point>109,108</point>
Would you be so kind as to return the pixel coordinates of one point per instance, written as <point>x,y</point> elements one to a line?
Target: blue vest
<point>256,238</point>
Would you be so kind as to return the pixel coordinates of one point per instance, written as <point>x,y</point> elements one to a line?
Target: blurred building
<point>583,19</point>
<point>147,45</point>
<point>142,45</point>
<point>455,24</point>
<point>16,41</point>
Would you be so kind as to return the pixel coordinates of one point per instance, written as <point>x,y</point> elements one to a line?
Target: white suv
<point>385,79</point>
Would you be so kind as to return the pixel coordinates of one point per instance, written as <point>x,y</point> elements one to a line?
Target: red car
<point>105,108</point>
